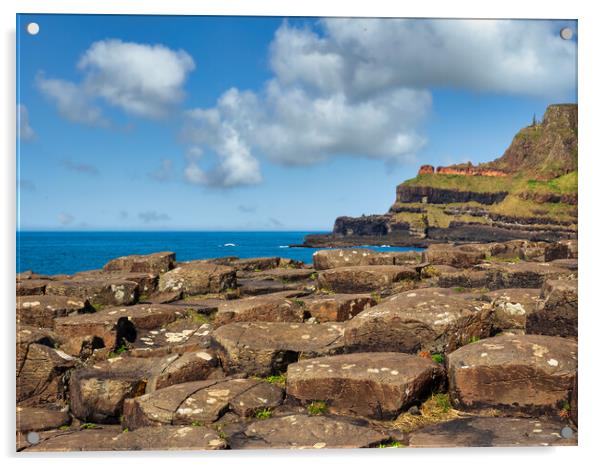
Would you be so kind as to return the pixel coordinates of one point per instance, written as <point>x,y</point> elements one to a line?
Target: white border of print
<point>590,107</point>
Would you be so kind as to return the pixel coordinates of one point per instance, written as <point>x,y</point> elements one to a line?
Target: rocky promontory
<point>457,345</point>
<point>530,192</point>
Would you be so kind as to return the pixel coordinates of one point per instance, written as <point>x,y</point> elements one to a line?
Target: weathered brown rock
<point>490,432</point>
<point>522,274</point>
<point>432,319</point>
<point>333,258</point>
<point>41,310</point>
<point>284,274</point>
<point>376,385</point>
<point>178,337</point>
<point>159,262</point>
<point>111,326</point>
<point>336,307</point>
<point>198,278</point>
<point>265,308</point>
<point>97,392</point>
<point>361,279</point>
<point>531,373</point>
<point>99,291</point>
<point>31,287</point>
<point>313,432</point>
<point>36,419</point>
<point>512,306</point>
<point>40,373</point>
<point>200,402</point>
<point>557,315</point>
<point>255,287</point>
<point>267,348</point>
<point>147,282</point>
<point>463,256</point>
<point>101,438</point>
<point>171,438</point>
<point>463,279</point>
<point>565,249</point>
<point>570,264</point>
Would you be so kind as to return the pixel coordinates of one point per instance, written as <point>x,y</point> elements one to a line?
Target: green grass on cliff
<point>488,184</point>
<point>478,184</point>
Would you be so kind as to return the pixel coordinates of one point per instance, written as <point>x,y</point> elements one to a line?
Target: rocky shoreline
<point>470,345</point>
<point>529,193</point>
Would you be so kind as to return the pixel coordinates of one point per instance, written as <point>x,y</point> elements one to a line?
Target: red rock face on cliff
<point>469,171</point>
<point>426,170</point>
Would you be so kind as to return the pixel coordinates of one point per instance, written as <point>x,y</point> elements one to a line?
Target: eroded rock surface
<point>267,348</point>
<point>364,278</point>
<point>200,402</point>
<point>312,432</point>
<point>376,385</point>
<point>490,432</point>
<point>531,374</point>
<point>432,319</point>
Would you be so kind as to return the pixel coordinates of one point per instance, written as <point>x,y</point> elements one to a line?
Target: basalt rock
<point>200,402</point>
<point>329,258</point>
<point>491,432</point>
<point>376,385</point>
<point>97,392</point>
<point>40,311</point>
<point>531,374</point>
<point>156,263</point>
<point>111,327</point>
<point>336,307</point>
<point>362,279</point>
<point>268,348</point>
<point>198,278</point>
<point>557,314</point>
<point>430,319</point>
<point>300,431</point>
<point>265,308</point>
<point>99,291</point>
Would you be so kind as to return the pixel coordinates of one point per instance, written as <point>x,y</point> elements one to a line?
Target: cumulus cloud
<point>362,88</point>
<point>71,101</point>
<point>85,168</point>
<point>151,216</point>
<point>24,131</point>
<point>141,79</point>
<point>366,56</point>
<point>164,172</point>
<point>65,218</point>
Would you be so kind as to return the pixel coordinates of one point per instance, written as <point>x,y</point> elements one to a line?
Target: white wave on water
<point>283,247</point>
<point>229,245</point>
<point>385,246</point>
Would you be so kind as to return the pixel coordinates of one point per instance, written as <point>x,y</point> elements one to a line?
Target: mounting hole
<point>566,33</point>
<point>566,432</point>
<point>33,438</point>
<point>33,28</point>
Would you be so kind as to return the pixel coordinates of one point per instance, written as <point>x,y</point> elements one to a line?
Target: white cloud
<point>71,101</point>
<point>366,56</point>
<point>24,131</point>
<point>362,88</point>
<point>141,79</point>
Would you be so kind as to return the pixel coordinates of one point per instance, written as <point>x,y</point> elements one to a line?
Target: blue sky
<point>244,123</point>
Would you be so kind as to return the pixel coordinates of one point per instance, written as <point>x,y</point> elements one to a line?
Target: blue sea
<point>70,252</point>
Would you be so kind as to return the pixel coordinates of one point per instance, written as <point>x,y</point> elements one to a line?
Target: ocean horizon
<point>68,252</point>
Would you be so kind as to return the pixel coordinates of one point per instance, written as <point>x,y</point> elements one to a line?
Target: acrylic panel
<point>267,233</point>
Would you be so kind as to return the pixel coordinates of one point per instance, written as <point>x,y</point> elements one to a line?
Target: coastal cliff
<point>530,192</point>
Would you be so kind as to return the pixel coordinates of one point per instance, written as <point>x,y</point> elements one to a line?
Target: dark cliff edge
<point>530,192</point>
